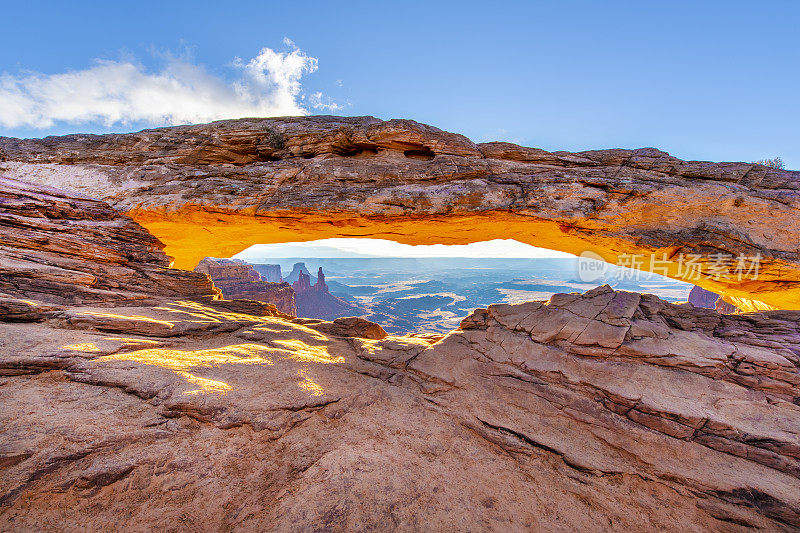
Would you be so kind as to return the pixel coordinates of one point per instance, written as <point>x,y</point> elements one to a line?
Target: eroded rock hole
<point>266,157</point>
<point>355,150</point>
<point>423,153</point>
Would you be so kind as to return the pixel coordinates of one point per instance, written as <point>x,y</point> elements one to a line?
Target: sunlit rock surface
<point>596,412</point>
<point>216,189</point>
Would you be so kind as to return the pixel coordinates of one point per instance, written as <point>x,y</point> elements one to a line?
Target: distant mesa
<point>223,269</point>
<point>297,269</point>
<point>271,273</point>
<point>307,297</point>
<point>241,281</point>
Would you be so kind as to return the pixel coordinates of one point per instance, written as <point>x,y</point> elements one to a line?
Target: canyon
<point>133,395</point>
<point>239,281</point>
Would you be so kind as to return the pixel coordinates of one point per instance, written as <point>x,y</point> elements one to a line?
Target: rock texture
<point>240,281</point>
<point>133,398</point>
<point>60,249</point>
<point>608,411</point>
<point>227,269</point>
<point>269,180</point>
<point>699,297</point>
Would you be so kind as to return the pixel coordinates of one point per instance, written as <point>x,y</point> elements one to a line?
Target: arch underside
<point>191,236</point>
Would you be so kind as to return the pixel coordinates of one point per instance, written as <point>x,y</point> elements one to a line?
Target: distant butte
<point>315,301</point>
<point>240,281</point>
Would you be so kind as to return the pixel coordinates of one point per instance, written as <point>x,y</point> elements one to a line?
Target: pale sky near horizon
<point>714,80</point>
<point>340,247</point>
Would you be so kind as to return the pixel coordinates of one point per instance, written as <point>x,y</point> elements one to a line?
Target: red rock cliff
<point>239,280</point>
<point>64,248</point>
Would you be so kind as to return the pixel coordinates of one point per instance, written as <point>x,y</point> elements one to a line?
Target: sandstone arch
<point>616,407</point>
<point>218,188</point>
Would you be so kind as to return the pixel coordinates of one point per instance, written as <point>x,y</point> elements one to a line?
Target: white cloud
<point>322,102</point>
<point>122,92</point>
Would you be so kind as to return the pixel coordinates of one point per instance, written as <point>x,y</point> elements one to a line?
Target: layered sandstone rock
<point>608,411</point>
<point>722,306</point>
<point>227,269</point>
<point>131,398</point>
<point>272,180</point>
<point>303,284</point>
<point>239,280</point>
<point>60,249</point>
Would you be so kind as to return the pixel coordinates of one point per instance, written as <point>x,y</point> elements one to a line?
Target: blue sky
<point>701,80</point>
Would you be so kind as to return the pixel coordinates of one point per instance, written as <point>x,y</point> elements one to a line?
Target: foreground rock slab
<point>607,411</point>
